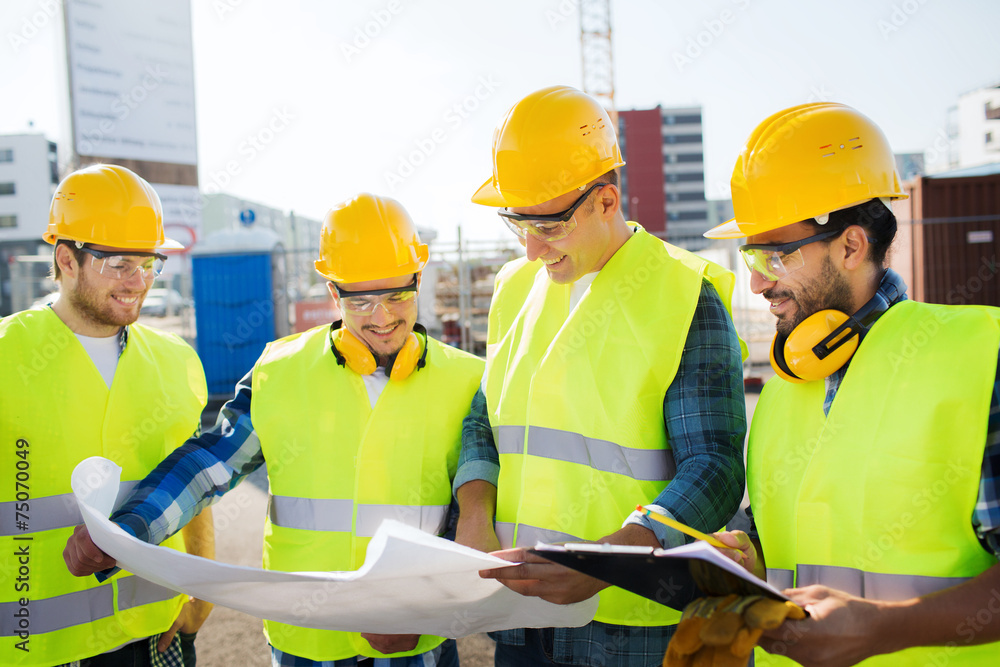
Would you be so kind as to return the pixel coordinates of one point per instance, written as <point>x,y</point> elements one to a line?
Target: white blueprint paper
<point>411,582</point>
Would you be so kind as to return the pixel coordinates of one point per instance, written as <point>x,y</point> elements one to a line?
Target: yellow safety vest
<point>55,411</point>
<point>576,398</point>
<point>876,499</point>
<point>337,467</point>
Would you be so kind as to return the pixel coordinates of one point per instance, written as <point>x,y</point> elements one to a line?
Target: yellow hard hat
<point>550,143</point>
<point>108,205</point>
<point>369,238</point>
<point>805,162</point>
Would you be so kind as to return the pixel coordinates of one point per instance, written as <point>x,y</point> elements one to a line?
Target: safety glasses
<point>123,265</point>
<point>364,303</point>
<point>777,261</point>
<point>552,227</point>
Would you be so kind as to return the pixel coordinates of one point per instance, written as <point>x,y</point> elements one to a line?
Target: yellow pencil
<point>687,530</point>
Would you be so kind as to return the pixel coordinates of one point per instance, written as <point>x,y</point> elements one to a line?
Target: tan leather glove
<point>723,631</point>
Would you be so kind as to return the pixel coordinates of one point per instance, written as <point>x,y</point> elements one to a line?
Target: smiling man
<point>357,421</point>
<point>79,379</point>
<point>874,454</point>
<point>613,379</point>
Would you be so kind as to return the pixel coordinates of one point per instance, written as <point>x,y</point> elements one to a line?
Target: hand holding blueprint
<point>411,582</point>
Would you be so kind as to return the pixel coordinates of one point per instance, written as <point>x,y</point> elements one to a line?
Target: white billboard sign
<point>132,79</point>
<point>182,205</point>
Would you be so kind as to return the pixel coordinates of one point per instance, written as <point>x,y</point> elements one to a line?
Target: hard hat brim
<point>487,195</point>
<point>170,244</point>
<point>727,230</point>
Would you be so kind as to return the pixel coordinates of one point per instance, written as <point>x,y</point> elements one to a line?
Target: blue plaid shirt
<point>704,416</point>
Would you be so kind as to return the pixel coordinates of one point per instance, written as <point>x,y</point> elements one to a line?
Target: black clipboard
<point>672,577</point>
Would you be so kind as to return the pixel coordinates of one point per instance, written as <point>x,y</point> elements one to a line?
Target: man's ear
<point>609,201</point>
<point>66,261</point>
<point>855,247</point>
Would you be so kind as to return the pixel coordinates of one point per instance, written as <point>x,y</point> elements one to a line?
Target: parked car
<point>161,300</point>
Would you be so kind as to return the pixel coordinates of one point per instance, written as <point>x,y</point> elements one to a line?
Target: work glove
<point>723,631</point>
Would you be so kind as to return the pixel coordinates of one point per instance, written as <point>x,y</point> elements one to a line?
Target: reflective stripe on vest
<point>52,512</point>
<point>335,463</point>
<point>780,579</point>
<point>64,611</point>
<point>575,397</point>
<point>550,443</point>
<point>528,536</point>
<point>870,585</point>
<point>336,515</point>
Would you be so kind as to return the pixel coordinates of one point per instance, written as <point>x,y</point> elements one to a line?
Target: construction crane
<point>596,53</point>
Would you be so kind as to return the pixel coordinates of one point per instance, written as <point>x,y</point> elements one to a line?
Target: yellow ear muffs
<point>359,358</point>
<point>406,358</point>
<point>356,354</point>
<point>823,342</point>
<point>794,358</point>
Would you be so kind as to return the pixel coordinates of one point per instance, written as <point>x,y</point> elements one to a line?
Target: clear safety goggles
<point>123,265</point>
<point>774,262</point>
<point>364,303</point>
<point>552,227</point>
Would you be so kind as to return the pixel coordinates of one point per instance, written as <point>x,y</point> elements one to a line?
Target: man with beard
<point>79,379</point>
<point>357,421</point>
<point>874,454</point>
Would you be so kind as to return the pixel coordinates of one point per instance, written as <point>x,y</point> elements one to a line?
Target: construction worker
<point>873,455</point>
<point>357,421</point>
<point>81,378</point>
<point>613,378</point>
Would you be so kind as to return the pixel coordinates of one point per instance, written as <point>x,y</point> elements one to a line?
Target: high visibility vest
<point>876,499</point>
<point>337,467</point>
<point>55,411</point>
<point>575,398</point>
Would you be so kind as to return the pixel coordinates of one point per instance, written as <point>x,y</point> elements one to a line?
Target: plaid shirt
<point>705,419</point>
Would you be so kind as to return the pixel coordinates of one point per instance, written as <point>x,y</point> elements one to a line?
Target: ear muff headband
<point>350,351</point>
<point>825,341</point>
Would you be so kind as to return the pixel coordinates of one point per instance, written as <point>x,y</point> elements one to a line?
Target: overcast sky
<point>437,75</point>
